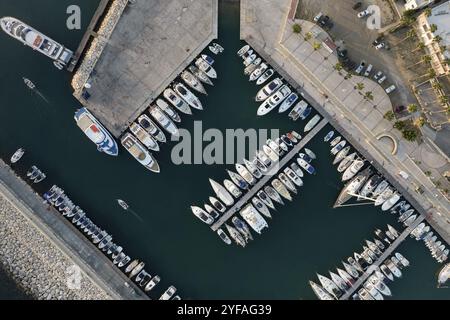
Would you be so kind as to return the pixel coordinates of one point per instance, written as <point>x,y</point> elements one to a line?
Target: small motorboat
<point>123,204</point>
<point>335,141</point>
<point>258,72</point>
<point>293,176</point>
<point>342,285</point>
<point>330,286</point>
<point>232,188</point>
<point>217,204</point>
<point>216,48</point>
<point>243,50</point>
<point>188,96</point>
<point>211,211</point>
<point>153,283</point>
<point>164,120</point>
<point>262,156</point>
<point>249,59</point>
<point>17,155</point>
<point>222,235</point>
<point>208,59</point>
<point>287,182</point>
<point>274,100</point>
<point>386,272</point>
<point>384,196</point>
<point>266,199</point>
<point>273,194</point>
<point>341,155</point>
<point>222,193</point>
<point>352,170</point>
<point>346,162</point>
<point>289,102</point>
<point>298,171</point>
<point>281,189</point>
<point>238,180</point>
<point>402,259</point>
<point>246,174</point>
<point>304,157</point>
<point>270,153</point>
<point>144,136</point>
<point>193,82</point>
<point>306,166</point>
<point>328,136</point>
<point>236,235</point>
<point>338,147</point>
<point>265,76</point>
<point>261,207</point>
<point>253,169</point>
<point>312,123</point>
<point>145,122</point>
<point>389,203</point>
<point>405,215</point>
<point>311,154</point>
<point>320,292</point>
<point>203,77</point>
<point>252,66</point>
<point>243,228</point>
<point>206,68</point>
<point>268,89</point>
<point>202,215</point>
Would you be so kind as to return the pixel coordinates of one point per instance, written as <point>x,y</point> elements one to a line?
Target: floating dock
<point>386,254</point>
<point>265,179</point>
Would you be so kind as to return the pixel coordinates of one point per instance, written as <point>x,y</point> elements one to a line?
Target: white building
<point>417,4</point>
<point>440,20</point>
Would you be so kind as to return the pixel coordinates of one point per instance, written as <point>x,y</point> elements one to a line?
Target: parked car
<point>378,40</point>
<point>364,13</point>
<point>326,22</point>
<point>357,5</point>
<point>360,67</point>
<point>368,70</point>
<point>378,75</point>
<point>342,52</point>
<point>390,89</point>
<point>380,46</point>
<point>381,80</point>
<point>317,18</point>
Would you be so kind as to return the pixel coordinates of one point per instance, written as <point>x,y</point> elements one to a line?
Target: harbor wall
<point>43,252</point>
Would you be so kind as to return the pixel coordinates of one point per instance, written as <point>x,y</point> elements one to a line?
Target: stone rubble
<point>35,263</point>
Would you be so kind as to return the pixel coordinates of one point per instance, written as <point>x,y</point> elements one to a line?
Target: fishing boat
<point>188,96</point>
<point>352,170</point>
<point>253,169</point>
<point>273,101</point>
<point>145,122</point>
<point>298,171</point>
<point>222,235</point>
<point>17,155</point>
<point>258,72</point>
<point>265,76</point>
<point>346,162</point>
<point>270,153</point>
<point>162,119</point>
<point>236,236</point>
<point>293,177</point>
<point>268,89</point>
<point>243,228</point>
<point>193,82</point>
<point>335,141</point>
<point>338,147</point>
<point>351,189</point>
<point>144,137</point>
<point>244,173</point>
<point>306,166</point>
<point>342,285</point>
<point>222,193</point>
<point>329,286</point>
<point>289,102</point>
<point>211,211</point>
<point>281,189</point>
<point>206,68</point>
<point>238,180</point>
<point>95,131</point>
<point>176,101</point>
<point>202,215</point>
<point>217,204</point>
<point>164,106</point>
<point>328,136</point>
<point>203,77</point>
<point>384,196</point>
<point>232,188</point>
<point>370,185</point>
<point>265,199</point>
<point>243,50</point>
<point>208,59</point>
<point>36,40</point>
<point>261,207</point>
<point>287,182</point>
<point>140,153</point>
<point>253,218</point>
<point>319,292</point>
<point>341,155</point>
<point>273,194</point>
<point>216,48</point>
<point>312,123</point>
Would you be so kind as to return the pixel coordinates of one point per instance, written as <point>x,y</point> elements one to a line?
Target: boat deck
<point>152,42</point>
<point>265,179</point>
<point>386,254</point>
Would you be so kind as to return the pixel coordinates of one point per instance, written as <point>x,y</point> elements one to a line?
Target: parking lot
<point>351,33</point>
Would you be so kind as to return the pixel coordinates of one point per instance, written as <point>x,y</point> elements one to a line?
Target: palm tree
<point>359,86</point>
<point>369,95</point>
<point>436,86</point>
<point>426,58</point>
<point>428,12</point>
<point>296,28</point>
<point>430,74</point>
<point>412,108</point>
<point>420,46</point>
<point>411,33</point>
<point>338,66</point>
<point>349,75</point>
<point>433,28</point>
<point>308,36</point>
<point>316,46</point>
<point>437,39</point>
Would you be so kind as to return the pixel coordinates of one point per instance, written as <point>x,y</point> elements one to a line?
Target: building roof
<point>440,16</point>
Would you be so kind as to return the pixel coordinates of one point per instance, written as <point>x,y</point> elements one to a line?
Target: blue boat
<point>95,131</point>
<point>305,157</point>
<point>306,166</point>
<point>306,113</point>
<point>208,59</point>
<point>328,136</point>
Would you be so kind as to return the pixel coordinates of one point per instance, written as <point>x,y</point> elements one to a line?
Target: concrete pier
<point>265,179</point>
<point>65,237</point>
<point>386,254</point>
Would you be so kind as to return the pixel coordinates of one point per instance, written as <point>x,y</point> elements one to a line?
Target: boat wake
<point>33,88</point>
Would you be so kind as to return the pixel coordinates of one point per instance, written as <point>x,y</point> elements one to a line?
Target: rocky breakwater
<point>39,267</point>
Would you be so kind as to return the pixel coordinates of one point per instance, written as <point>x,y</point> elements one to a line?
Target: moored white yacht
<point>268,89</point>
<point>253,218</point>
<point>222,193</point>
<point>273,101</point>
<point>139,152</point>
<point>176,101</point>
<point>193,82</point>
<point>202,215</point>
<point>188,96</point>
<point>144,137</point>
<point>164,120</point>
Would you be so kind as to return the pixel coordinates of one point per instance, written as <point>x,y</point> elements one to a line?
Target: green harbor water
<point>304,237</point>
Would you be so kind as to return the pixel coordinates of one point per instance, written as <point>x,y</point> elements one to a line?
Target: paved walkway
<point>70,241</point>
<point>311,71</point>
